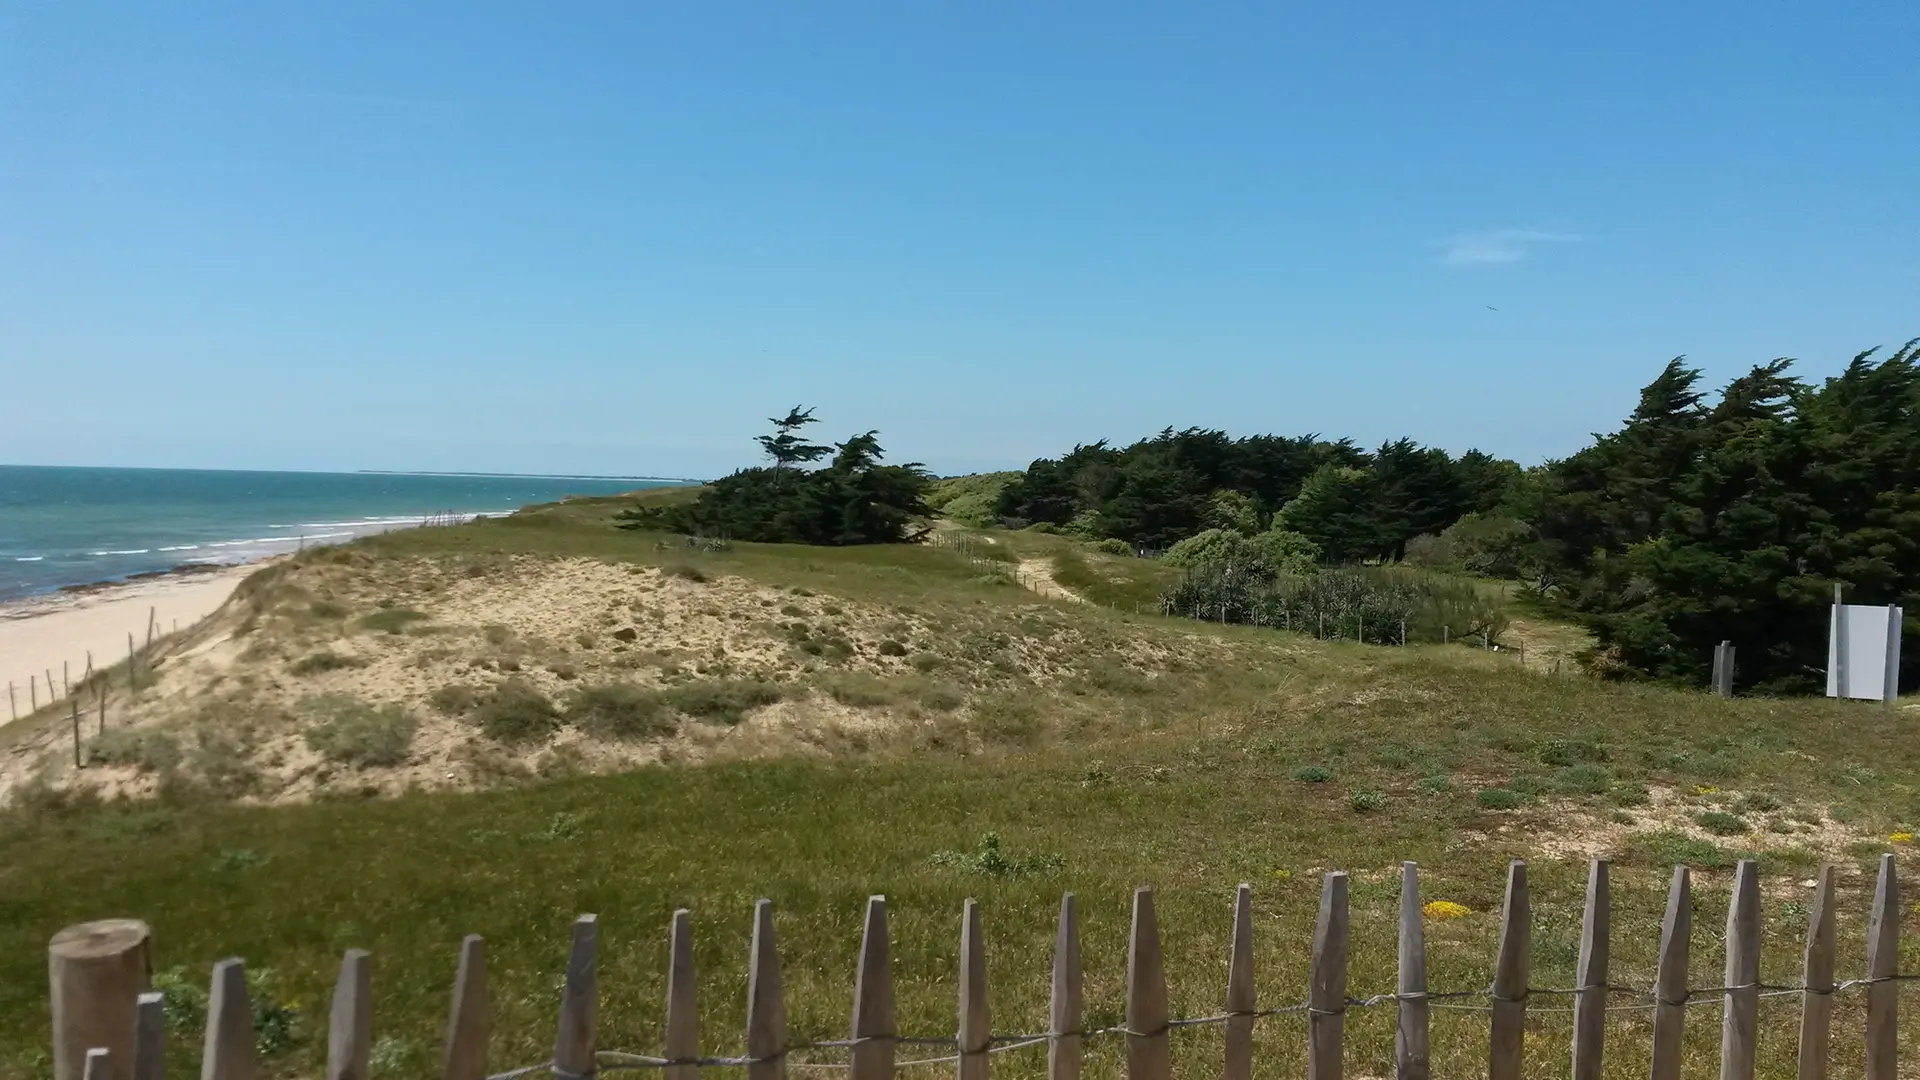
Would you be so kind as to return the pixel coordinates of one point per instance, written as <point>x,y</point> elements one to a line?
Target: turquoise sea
<point>71,526</point>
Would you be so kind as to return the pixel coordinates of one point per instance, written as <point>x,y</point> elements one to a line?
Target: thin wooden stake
<point>1883,963</point>
<point>1590,1000</point>
<point>975,1027</point>
<point>573,1044</point>
<point>1816,1003</point>
<point>74,704</point>
<point>149,1037</point>
<point>227,1053</point>
<point>350,1031</point>
<point>1327,993</point>
<point>683,1008</point>
<point>1410,1057</point>
<point>1238,1064</point>
<point>873,1018</point>
<point>1739,1025</point>
<point>1510,979</point>
<point>133,669</point>
<point>1149,1054</point>
<point>1064,1011</point>
<point>1670,982</point>
<point>766,1007</point>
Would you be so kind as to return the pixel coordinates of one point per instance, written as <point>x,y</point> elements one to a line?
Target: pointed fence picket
<point>1148,1029</point>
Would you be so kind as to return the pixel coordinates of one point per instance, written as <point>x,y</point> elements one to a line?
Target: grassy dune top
<point>1004,747</point>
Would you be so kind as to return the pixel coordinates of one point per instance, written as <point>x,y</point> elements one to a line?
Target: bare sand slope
<point>40,636</point>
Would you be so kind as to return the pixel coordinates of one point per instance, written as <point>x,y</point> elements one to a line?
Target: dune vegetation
<point>492,727</point>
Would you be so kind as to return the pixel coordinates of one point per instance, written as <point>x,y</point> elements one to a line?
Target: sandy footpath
<point>38,635</point>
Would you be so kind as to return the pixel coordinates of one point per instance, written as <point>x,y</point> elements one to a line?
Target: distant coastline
<point>531,476</point>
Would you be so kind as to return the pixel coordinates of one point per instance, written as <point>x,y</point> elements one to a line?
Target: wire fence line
<point>1147,1026</point>
<point>614,1060</point>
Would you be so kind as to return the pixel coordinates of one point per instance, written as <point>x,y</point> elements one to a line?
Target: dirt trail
<point>1037,574</point>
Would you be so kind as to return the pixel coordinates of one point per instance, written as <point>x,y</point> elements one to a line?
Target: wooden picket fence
<point>870,1049</point>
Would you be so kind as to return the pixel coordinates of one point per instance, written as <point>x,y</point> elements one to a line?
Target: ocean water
<point>71,526</point>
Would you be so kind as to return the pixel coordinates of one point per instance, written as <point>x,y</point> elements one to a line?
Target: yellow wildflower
<point>1901,838</point>
<point>1706,789</point>
<point>1282,874</point>
<point>1445,909</point>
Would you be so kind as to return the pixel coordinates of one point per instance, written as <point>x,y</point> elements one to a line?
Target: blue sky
<point>611,237</point>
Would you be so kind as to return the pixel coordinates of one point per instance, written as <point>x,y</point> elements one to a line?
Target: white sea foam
<point>130,551</point>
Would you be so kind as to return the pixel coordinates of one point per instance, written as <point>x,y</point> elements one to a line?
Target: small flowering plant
<point>1441,910</point>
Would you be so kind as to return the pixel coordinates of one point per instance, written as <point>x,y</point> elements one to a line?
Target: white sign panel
<point>1863,652</point>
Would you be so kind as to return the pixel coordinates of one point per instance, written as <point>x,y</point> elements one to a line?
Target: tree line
<point>1702,518</point>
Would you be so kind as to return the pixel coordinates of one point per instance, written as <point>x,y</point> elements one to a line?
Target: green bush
<point>393,620</point>
<point>1499,798</point>
<point>684,572</point>
<point>1721,823</point>
<point>619,710</point>
<point>891,647</point>
<point>352,732</point>
<point>515,711</point>
<point>1313,774</point>
<point>324,660</point>
<point>1367,801</point>
<point>1667,848</point>
<point>725,700</point>
<point>1113,545</point>
<point>454,699</point>
<point>1582,780</point>
<point>1435,785</point>
<point>147,750</point>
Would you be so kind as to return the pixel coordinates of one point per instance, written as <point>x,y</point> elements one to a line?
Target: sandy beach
<point>55,633</point>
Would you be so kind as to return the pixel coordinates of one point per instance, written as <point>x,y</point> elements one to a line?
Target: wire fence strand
<point>614,1060</point>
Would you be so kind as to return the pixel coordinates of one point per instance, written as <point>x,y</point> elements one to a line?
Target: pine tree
<point>785,446</point>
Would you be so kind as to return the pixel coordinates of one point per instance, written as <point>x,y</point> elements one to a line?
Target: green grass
<point>970,500</point>
<point>1162,757</point>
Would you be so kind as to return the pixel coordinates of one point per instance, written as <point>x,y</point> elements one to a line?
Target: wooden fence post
<point>1410,1058</point>
<point>227,1053</point>
<point>1590,996</point>
<point>1739,1025</point>
<point>1670,982</point>
<point>350,1027</point>
<point>1816,1002</point>
<point>99,1064</point>
<point>149,1037</point>
<point>766,1007</point>
<point>873,1016</point>
<point>96,973</point>
<point>1238,1064</point>
<point>683,1007</point>
<point>1149,1053</point>
<point>975,1023</point>
<point>1883,964</point>
<point>1327,993</point>
<point>1063,1010</point>
<point>468,1022</point>
<point>573,1042</point>
<point>1509,1022</point>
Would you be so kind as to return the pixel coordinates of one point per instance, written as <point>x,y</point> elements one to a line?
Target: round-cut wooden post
<point>97,972</point>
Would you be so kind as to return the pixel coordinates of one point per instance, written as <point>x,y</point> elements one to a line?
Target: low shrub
<point>515,711</point>
<point>891,647</point>
<point>1313,774</point>
<point>1721,823</point>
<point>1434,785</point>
<point>1113,545</point>
<point>725,700</point>
<point>1499,798</point>
<point>619,710</point>
<point>455,699</point>
<point>1366,802</point>
<point>352,732</point>
<point>684,572</point>
<point>146,750</point>
<point>323,661</point>
<point>393,620</point>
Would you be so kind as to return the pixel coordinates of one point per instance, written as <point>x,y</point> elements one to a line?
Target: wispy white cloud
<point>1496,246</point>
